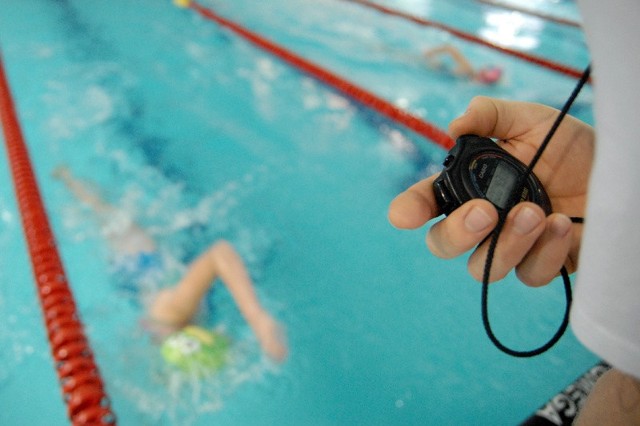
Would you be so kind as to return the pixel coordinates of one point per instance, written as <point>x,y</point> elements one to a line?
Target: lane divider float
<point>80,381</point>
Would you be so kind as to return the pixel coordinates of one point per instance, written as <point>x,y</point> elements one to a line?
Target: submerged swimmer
<point>489,75</point>
<point>172,309</point>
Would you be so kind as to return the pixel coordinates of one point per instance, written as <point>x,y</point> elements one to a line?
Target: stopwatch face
<point>493,178</point>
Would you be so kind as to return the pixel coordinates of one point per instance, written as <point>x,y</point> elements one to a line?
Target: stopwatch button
<point>448,159</point>
<point>443,197</point>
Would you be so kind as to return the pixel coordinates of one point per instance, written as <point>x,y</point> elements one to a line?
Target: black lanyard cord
<point>496,233</point>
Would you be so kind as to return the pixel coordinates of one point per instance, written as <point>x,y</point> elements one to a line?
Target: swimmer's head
<point>489,75</point>
<point>182,3</point>
<point>195,350</point>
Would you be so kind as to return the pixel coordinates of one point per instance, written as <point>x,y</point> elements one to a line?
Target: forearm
<point>615,399</point>
<point>219,261</point>
<point>82,193</point>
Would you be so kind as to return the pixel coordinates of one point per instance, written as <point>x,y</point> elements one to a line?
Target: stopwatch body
<point>476,167</point>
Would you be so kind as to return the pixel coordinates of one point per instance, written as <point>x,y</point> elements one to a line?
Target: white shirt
<point>606,311</point>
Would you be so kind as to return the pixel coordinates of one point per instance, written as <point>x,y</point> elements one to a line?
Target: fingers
<point>544,261</point>
<point>525,223</point>
<point>499,118</point>
<point>463,229</point>
<point>414,207</point>
<point>535,245</point>
<point>480,118</point>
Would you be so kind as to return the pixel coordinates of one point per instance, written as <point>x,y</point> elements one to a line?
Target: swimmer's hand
<point>61,173</point>
<point>271,337</point>
<point>535,245</point>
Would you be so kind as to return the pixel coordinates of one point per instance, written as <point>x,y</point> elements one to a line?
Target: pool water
<point>199,136</point>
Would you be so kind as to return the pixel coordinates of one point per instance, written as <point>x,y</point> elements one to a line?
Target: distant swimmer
<point>489,75</point>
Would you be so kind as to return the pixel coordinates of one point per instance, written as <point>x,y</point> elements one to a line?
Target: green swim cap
<point>195,350</point>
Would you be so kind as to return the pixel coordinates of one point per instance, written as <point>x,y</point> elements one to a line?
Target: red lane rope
<point>81,385</point>
<point>526,11</point>
<point>359,94</point>
<point>545,63</point>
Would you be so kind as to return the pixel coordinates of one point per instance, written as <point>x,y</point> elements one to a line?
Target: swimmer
<point>488,75</point>
<point>172,309</point>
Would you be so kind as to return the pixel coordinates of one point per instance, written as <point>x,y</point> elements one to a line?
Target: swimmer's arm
<point>177,306</point>
<point>219,261</point>
<point>82,192</point>
<point>463,67</point>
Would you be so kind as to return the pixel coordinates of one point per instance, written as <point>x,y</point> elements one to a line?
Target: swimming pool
<point>200,135</point>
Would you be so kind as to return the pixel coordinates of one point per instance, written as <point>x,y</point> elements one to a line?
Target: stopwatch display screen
<point>493,178</point>
<point>501,185</point>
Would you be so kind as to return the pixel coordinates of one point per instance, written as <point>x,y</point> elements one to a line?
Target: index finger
<point>500,118</point>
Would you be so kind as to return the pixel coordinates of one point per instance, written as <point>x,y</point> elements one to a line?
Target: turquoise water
<point>199,136</point>
<point>562,9</point>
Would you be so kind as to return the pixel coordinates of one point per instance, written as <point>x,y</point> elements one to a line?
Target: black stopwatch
<point>476,167</point>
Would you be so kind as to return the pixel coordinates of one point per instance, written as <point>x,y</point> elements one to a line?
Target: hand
<point>62,173</point>
<point>535,245</point>
<point>271,337</point>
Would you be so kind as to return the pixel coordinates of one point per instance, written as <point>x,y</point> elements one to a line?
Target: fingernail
<point>561,225</point>
<point>526,221</point>
<point>477,220</point>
